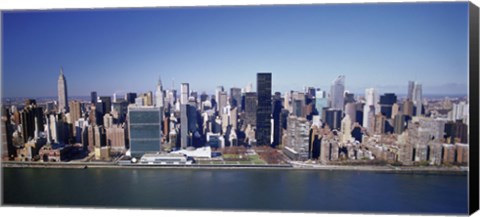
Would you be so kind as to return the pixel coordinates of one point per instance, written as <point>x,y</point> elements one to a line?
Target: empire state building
<point>62,93</point>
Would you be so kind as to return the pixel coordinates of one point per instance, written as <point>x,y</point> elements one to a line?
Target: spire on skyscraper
<point>61,76</point>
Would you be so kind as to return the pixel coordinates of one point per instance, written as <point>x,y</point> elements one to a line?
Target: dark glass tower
<point>32,120</point>
<point>264,108</point>
<point>386,102</point>
<point>107,102</point>
<point>93,97</point>
<point>277,109</point>
<point>130,97</point>
<point>333,118</point>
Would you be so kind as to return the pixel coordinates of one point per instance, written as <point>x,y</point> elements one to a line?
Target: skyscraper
<point>333,118</point>
<point>297,136</point>
<point>159,98</point>
<point>379,126</point>
<point>31,122</point>
<point>144,129</point>
<point>171,97</point>
<point>264,108</point>
<point>62,93</point>
<point>91,138</point>
<point>115,138</point>
<point>417,98</point>
<point>107,104</point>
<point>346,128</point>
<point>371,96</point>
<point>351,111</point>
<point>411,84</point>
<point>336,93</point>
<point>148,98</point>
<point>349,97</point>
<point>235,97</point>
<point>314,142</point>
<point>75,111</point>
<point>250,108</point>
<point>129,97</point>
<point>114,97</point>
<point>321,101</point>
<point>217,96</point>
<point>222,100</point>
<point>298,104</point>
<point>187,124</point>
<point>400,123</point>
<point>107,120</point>
<point>287,99</point>
<point>371,100</point>
<point>184,91</point>
<point>119,110</point>
<point>395,110</point>
<point>93,97</point>
<point>100,136</point>
<point>386,103</point>
<point>407,108</point>
<point>277,109</point>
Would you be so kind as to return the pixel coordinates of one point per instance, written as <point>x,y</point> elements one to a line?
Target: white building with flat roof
<point>202,152</point>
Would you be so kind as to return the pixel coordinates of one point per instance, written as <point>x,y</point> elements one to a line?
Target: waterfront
<point>241,189</point>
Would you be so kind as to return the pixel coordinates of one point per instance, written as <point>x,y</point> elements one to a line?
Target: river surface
<point>237,189</point>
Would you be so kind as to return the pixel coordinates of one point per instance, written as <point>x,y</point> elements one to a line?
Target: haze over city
<point>374,45</point>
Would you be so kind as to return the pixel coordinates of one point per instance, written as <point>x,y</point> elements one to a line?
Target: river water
<point>237,189</point>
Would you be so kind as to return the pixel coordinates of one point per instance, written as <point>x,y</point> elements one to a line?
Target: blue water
<point>240,189</point>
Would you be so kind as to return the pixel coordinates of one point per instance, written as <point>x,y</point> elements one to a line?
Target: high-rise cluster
<point>311,124</point>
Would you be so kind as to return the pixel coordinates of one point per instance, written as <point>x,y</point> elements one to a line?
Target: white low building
<point>165,159</point>
<point>203,152</point>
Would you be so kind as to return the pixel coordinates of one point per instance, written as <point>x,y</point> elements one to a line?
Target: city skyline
<point>304,50</point>
<point>289,93</point>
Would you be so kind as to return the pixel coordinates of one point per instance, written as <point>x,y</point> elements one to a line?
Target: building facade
<point>264,108</point>
<point>144,129</point>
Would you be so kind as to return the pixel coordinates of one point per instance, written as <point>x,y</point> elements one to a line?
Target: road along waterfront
<point>292,165</point>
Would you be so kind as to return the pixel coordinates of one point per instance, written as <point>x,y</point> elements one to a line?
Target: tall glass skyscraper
<point>336,93</point>
<point>417,98</point>
<point>93,97</point>
<point>411,85</point>
<point>277,109</point>
<point>264,108</point>
<point>144,128</point>
<point>188,118</point>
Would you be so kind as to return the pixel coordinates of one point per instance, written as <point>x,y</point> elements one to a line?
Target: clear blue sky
<point>374,45</point>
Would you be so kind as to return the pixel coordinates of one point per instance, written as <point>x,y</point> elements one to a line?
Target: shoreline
<point>385,169</point>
